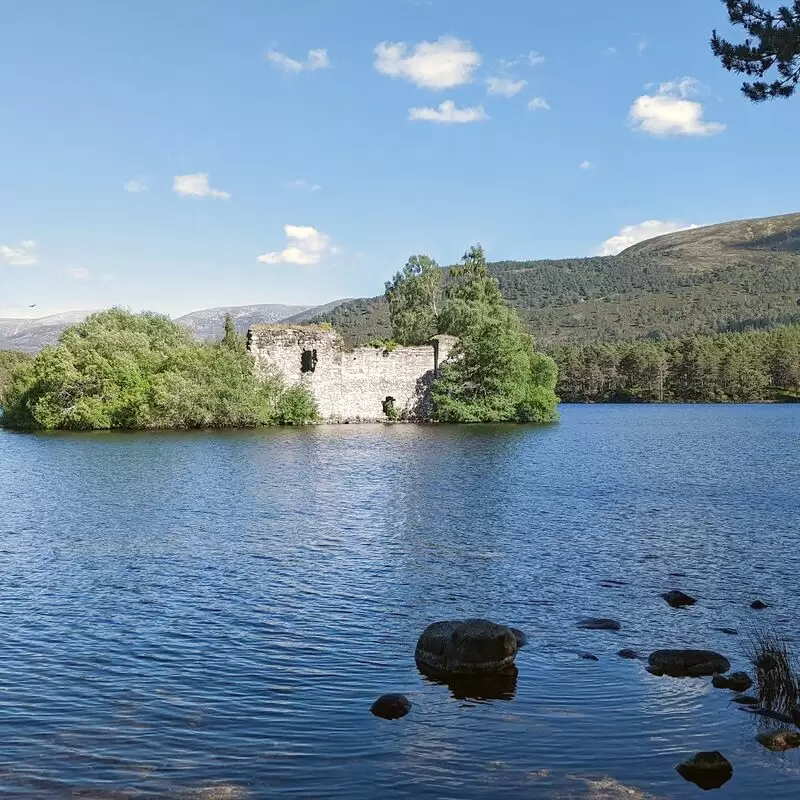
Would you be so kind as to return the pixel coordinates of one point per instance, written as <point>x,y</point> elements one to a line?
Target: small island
<point>459,354</point>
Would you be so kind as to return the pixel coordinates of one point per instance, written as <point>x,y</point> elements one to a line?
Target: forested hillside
<point>737,276</point>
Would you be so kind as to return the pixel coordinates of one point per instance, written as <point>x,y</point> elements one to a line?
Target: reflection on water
<point>191,614</point>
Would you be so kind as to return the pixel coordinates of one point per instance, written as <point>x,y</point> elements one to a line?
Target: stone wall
<point>349,385</point>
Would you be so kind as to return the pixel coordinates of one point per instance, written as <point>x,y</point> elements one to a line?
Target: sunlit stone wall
<point>349,385</point>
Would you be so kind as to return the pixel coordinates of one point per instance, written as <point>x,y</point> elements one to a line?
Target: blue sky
<point>194,153</point>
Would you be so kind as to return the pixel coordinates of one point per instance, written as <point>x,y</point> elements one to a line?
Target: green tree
<point>414,296</point>
<point>137,371</point>
<point>232,339</point>
<point>494,374</point>
<point>10,360</point>
<point>773,41</point>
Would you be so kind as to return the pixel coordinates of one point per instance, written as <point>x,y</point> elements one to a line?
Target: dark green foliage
<point>137,371</point>
<point>414,297</point>
<point>233,340</point>
<point>741,367</point>
<point>9,361</point>
<point>296,406</point>
<point>387,345</point>
<point>494,374</point>
<point>773,41</point>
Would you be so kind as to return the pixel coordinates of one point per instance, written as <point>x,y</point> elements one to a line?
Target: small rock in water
<point>599,624</point>
<point>729,631</point>
<point>391,706</point>
<point>632,654</point>
<point>706,770</point>
<point>521,638</point>
<point>588,657</point>
<point>687,663</point>
<point>796,716</point>
<point>746,700</point>
<point>779,741</point>
<point>758,605</point>
<point>678,599</point>
<point>677,574</point>
<point>736,681</point>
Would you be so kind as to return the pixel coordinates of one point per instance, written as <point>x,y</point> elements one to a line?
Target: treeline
<point>118,370</point>
<point>727,368</point>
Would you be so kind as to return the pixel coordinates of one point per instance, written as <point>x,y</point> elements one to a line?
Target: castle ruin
<point>359,385</point>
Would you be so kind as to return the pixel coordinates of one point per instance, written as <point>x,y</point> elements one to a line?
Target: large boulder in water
<point>706,770</point>
<point>687,663</point>
<point>462,648</point>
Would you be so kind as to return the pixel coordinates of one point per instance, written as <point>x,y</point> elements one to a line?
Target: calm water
<point>211,615</point>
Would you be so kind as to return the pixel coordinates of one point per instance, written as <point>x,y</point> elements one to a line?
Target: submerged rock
<point>728,631</point>
<point>736,681</point>
<point>588,657</point>
<point>678,599</point>
<point>687,663</point>
<point>391,706</point>
<point>746,700</point>
<point>466,647</point>
<point>599,624</point>
<point>779,741</point>
<point>758,605</point>
<point>632,654</point>
<point>706,770</point>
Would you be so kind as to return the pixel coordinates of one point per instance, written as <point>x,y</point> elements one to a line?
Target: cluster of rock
<point>458,651</point>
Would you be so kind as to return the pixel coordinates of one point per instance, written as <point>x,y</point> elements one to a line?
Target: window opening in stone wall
<point>308,361</point>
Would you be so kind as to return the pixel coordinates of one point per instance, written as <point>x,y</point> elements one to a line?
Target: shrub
<point>296,406</point>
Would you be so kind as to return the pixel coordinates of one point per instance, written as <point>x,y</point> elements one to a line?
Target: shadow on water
<point>479,688</point>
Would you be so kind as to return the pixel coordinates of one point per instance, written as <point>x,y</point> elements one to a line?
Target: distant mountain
<point>312,313</point>
<point>31,335</point>
<point>729,277</point>
<point>209,323</point>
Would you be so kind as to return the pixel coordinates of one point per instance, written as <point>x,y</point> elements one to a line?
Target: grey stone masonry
<point>349,385</point>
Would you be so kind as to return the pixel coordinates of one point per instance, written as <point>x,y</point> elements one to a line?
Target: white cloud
<point>448,114</point>
<point>539,104</point>
<point>309,187</point>
<point>586,165</point>
<point>610,51</point>
<point>442,64</point>
<point>136,186</point>
<point>196,185</point>
<point>305,246</point>
<point>641,45</point>
<point>316,59</point>
<point>79,273</point>
<point>670,112</point>
<point>23,255</point>
<point>530,59</point>
<point>631,234</point>
<point>507,87</point>
<point>533,58</point>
